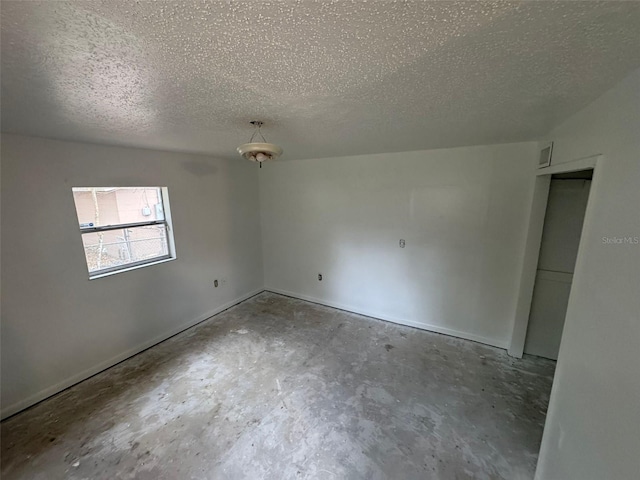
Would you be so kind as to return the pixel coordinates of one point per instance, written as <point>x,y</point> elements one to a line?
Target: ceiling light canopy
<point>259,151</point>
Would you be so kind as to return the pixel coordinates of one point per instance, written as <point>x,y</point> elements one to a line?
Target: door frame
<point>534,239</point>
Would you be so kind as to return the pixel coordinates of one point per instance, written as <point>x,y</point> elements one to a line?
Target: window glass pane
<point>123,246</point>
<point>101,206</point>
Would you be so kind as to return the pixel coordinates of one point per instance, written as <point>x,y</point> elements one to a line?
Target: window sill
<point>128,269</point>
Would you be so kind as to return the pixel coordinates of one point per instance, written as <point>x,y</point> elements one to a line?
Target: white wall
<point>547,314</point>
<point>567,203</point>
<point>593,423</point>
<point>462,212</point>
<point>57,326</point>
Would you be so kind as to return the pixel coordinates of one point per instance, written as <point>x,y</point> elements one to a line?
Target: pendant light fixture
<point>259,151</point>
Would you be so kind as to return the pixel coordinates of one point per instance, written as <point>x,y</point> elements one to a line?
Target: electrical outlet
<point>402,243</point>
<point>215,283</point>
<point>320,277</point>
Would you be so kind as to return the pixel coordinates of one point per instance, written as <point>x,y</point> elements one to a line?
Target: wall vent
<point>545,155</point>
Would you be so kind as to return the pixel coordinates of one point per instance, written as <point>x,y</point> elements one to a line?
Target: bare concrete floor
<point>278,388</point>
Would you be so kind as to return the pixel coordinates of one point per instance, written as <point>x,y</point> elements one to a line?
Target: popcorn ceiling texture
<point>328,78</point>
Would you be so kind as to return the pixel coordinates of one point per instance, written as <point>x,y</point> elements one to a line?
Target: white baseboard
<point>409,323</point>
<point>57,388</point>
<point>89,372</point>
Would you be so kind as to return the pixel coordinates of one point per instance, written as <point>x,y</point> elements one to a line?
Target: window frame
<point>168,230</point>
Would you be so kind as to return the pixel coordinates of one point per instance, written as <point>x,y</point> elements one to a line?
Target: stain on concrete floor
<point>279,388</point>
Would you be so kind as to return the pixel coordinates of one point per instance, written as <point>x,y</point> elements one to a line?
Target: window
<point>123,227</point>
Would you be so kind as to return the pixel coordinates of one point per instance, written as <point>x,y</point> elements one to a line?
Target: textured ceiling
<point>329,78</point>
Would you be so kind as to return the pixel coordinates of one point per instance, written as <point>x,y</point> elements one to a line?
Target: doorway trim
<point>534,239</point>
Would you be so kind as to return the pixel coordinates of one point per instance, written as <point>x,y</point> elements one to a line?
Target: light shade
<point>252,151</point>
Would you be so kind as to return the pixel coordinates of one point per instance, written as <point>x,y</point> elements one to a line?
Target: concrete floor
<point>278,388</point>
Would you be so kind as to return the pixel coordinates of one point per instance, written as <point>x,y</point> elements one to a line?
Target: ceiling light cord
<point>257,131</point>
